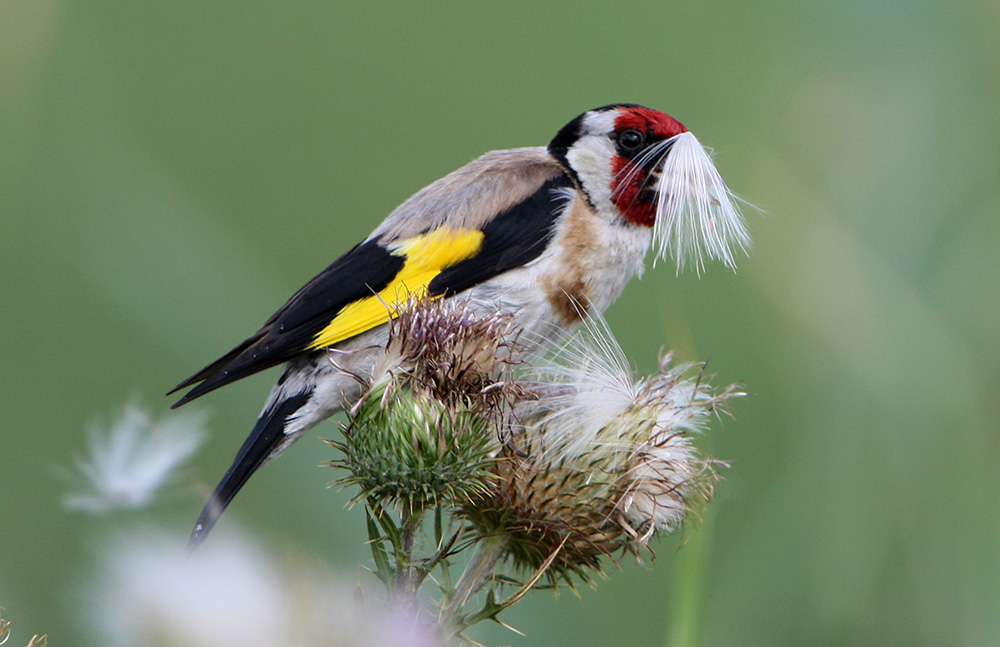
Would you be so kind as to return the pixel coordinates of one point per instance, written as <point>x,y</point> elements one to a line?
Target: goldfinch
<point>549,234</point>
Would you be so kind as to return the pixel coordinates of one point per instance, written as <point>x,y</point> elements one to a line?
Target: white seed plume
<point>696,213</point>
<point>592,411</point>
<point>667,474</point>
<point>129,464</point>
<point>586,383</point>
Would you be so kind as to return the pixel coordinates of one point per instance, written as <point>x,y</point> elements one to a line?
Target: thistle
<point>424,453</point>
<point>422,433</point>
<point>544,464</point>
<point>598,460</point>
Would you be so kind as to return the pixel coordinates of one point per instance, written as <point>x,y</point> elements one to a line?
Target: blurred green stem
<point>686,620</point>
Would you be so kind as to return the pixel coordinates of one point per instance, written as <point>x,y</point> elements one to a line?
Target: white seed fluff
<point>697,216</point>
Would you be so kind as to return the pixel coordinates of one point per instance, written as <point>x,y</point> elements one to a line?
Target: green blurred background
<point>171,171</point>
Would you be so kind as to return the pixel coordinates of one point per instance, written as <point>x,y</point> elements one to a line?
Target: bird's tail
<point>267,436</point>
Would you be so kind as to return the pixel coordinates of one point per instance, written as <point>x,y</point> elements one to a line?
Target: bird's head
<point>643,167</point>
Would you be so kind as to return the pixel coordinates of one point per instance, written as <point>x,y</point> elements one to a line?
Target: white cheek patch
<point>697,216</point>
<point>591,157</point>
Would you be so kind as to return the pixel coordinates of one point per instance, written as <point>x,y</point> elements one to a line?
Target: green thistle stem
<point>491,549</point>
<point>408,577</point>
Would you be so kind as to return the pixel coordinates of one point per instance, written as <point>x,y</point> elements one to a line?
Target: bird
<point>549,234</point>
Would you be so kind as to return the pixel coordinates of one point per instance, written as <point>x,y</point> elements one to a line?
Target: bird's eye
<point>631,140</point>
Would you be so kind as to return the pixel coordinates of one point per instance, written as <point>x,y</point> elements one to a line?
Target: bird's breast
<point>594,260</point>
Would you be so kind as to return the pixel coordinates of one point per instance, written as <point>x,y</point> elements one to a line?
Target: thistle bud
<point>424,432</point>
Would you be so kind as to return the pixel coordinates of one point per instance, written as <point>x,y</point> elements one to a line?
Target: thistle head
<point>451,351</point>
<point>424,432</point>
<point>597,460</point>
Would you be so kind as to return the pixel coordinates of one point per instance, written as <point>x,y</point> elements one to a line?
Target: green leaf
<point>383,568</point>
<point>392,532</point>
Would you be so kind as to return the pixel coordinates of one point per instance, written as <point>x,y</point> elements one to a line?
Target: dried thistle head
<point>667,480</point>
<point>544,506</point>
<point>452,350</point>
<point>571,459</point>
<point>597,460</point>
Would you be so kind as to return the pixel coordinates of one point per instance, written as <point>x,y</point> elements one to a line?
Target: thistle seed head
<point>597,460</point>
<point>569,456</point>
<point>453,351</point>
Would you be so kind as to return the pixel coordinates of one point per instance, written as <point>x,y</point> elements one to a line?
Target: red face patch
<point>632,188</point>
<point>626,192</point>
<point>658,125</point>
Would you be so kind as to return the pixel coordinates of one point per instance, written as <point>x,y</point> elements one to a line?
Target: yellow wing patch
<point>426,256</point>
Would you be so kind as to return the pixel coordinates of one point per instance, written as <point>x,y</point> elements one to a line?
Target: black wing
<point>510,240</point>
<point>359,273</point>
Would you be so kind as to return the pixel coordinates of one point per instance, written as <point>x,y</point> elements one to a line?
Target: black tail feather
<point>267,435</point>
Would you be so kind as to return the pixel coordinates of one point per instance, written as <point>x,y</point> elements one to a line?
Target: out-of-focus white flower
<point>229,592</point>
<point>129,464</point>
